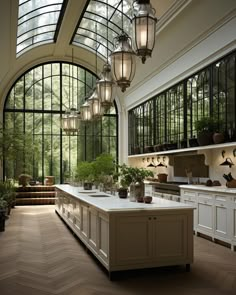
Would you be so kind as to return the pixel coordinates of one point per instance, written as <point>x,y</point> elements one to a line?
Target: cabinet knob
<point>154,218</point>
<point>150,218</point>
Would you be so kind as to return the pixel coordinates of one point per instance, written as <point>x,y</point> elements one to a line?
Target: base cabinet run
<point>124,240</point>
<point>215,214</point>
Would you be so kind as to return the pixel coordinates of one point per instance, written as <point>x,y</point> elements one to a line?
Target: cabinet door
<point>189,198</point>
<point>221,217</point>
<point>92,228</point>
<point>171,238</point>
<point>205,213</point>
<point>133,240</point>
<point>84,222</point>
<point>103,237</point>
<point>77,217</point>
<point>71,204</point>
<point>233,219</point>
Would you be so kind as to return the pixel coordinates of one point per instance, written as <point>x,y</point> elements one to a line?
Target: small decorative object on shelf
<point>193,142</point>
<point>147,199</point>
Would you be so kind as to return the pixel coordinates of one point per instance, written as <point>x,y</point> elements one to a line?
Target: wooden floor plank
<point>40,256</point>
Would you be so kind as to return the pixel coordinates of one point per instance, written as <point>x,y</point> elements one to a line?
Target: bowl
<point>147,199</point>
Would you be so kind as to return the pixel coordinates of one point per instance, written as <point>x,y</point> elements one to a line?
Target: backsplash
<point>213,159</point>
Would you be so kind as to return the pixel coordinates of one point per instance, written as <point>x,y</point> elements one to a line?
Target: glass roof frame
<point>33,35</point>
<point>91,16</point>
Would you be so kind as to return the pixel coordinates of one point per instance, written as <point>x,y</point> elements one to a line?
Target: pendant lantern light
<point>85,112</point>
<point>94,100</point>
<point>123,60</point>
<point>70,121</point>
<point>96,109</point>
<point>106,85</point>
<point>144,28</point>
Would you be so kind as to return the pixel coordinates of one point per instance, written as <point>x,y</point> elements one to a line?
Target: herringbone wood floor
<point>40,256</point>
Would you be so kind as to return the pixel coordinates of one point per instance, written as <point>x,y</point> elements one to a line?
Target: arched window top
<point>105,17</point>
<point>38,22</point>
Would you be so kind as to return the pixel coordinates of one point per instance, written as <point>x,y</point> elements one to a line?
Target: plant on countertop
<point>130,174</point>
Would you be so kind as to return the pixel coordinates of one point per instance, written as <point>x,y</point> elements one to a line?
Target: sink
<point>99,196</point>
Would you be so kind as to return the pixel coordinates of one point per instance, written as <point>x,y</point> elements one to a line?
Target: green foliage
<point>103,166</point>
<point>18,147</point>
<point>7,192</point>
<point>3,204</point>
<point>85,171</point>
<point>206,124</point>
<point>97,170</point>
<point>130,174</point>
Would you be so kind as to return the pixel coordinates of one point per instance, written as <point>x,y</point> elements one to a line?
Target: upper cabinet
<point>176,118</point>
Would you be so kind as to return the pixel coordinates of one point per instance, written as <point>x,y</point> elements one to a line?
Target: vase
<point>137,191</point>
<point>205,138</point>
<point>218,137</point>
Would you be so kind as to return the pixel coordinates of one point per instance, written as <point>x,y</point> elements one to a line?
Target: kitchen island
<point>128,235</point>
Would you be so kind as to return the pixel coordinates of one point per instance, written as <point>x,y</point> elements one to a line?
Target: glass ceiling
<point>105,18</point>
<point>38,22</point>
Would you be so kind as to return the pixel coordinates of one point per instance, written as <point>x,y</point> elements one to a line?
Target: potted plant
<point>219,134</point>
<point>85,174</point>
<point>3,208</point>
<point>205,128</point>
<point>24,179</point>
<point>103,170</point>
<point>7,193</point>
<point>133,177</point>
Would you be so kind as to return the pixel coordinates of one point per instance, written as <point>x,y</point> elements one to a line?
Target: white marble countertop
<point>114,203</point>
<point>221,189</point>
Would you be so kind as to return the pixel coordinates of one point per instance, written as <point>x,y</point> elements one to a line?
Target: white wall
<point>202,33</point>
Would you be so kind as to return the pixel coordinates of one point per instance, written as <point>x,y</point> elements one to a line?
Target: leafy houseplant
<point>3,208</point>
<point>205,128</point>
<point>7,194</point>
<point>85,173</point>
<point>135,176</point>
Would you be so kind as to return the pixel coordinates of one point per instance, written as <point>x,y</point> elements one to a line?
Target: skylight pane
<point>104,12</point>
<point>37,22</point>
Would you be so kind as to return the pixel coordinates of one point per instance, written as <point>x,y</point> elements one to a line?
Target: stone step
<point>35,201</point>
<point>48,194</point>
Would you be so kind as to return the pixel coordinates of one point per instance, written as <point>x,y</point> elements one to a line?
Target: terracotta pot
<point>218,137</point>
<point>205,138</point>
<point>162,177</point>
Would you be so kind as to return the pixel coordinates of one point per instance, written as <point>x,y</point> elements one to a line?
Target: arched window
<point>32,113</point>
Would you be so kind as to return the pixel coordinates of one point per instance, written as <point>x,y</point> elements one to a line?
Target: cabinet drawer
<point>221,198</point>
<point>190,199</point>
<point>205,198</point>
<point>188,193</point>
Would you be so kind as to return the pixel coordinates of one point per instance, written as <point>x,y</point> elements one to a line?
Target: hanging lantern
<point>85,112</point>
<point>144,28</point>
<point>105,87</point>
<point>96,109</point>
<point>70,122</point>
<point>123,61</point>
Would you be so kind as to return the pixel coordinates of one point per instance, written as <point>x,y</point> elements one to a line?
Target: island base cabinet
<point>151,241</point>
<point>171,239</point>
<point>127,239</point>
